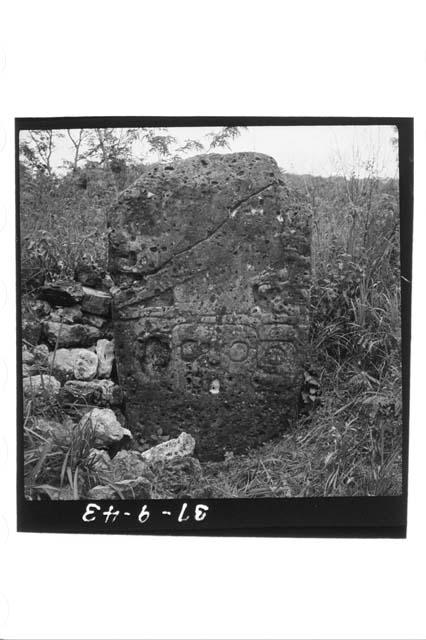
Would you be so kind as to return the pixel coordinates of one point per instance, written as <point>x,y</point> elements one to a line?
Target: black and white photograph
<point>212,239</point>
<point>210,312</point>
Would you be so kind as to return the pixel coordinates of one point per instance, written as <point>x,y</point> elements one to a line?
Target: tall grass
<point>351,443</point>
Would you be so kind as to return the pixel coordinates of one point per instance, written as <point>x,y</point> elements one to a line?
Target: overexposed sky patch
<point>316,150</point>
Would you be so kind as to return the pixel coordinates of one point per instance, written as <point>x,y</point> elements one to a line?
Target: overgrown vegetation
<point>348,440</point>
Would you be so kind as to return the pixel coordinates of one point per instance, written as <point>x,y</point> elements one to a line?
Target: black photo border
<point>354,517</point>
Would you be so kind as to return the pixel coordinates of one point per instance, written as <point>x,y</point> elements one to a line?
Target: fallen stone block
<point>85,364</point>
<point>102,427</point>
<point>179,447</point>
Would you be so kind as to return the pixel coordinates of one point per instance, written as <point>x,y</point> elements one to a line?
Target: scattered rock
<point>62,293</point>
<point>104,427</point>
<point>67,315</point>
<point>98,392</point>
<point>96,302</point>
<point>105,353</point>
<point>74,335</point>
<point>40,386</point>
<point>85,364</point>
<point>179,447</point>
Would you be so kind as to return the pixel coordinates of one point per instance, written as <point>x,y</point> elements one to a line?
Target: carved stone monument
<point>210,307</point>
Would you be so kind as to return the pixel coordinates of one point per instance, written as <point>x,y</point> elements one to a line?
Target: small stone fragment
<point>103,426</point>
<point>96,302</point>
<point>179,447</point>
<point>62,293</point>
<point>85,364</point>
<point>105,353</point>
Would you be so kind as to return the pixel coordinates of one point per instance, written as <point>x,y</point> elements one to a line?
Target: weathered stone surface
<point>61,363</point>
<point>97,392</point>
<point>67,315</point>
<point>103,426</point>
<point>78,364</point>
<point>210,313</point>
<point>105,353</point>
<point>40,386</point>
<point>96,302</point>
<point>62,293</point>
<point>179,447</point>
<point>70,335</point>
<point>85,364</point>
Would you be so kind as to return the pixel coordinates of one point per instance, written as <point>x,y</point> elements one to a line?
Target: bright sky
<point>316,150</point>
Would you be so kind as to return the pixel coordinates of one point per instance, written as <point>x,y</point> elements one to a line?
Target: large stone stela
<point>210,308</point>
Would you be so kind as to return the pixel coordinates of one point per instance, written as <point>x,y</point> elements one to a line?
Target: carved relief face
<point>213,357</point>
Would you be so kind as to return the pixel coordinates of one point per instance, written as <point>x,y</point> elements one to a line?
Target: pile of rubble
<point>68,360</point>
